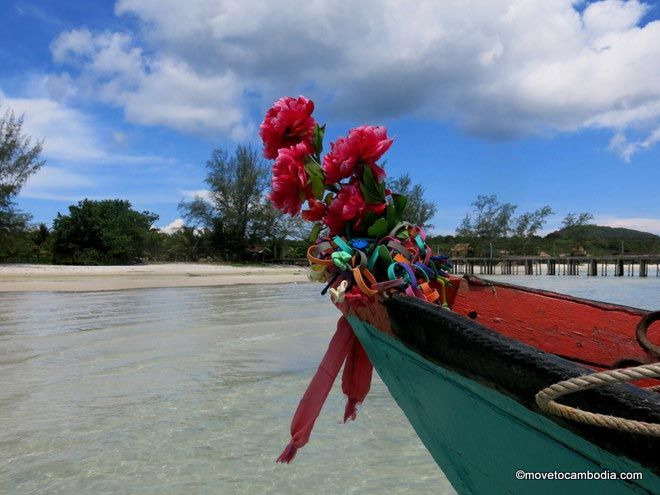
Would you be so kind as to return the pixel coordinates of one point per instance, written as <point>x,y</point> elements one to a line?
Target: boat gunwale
<point>473,279</point>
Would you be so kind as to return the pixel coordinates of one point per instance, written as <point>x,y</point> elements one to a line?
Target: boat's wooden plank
<point>600,335</point>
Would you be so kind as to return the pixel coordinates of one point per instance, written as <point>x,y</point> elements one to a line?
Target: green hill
<point>600,232</point>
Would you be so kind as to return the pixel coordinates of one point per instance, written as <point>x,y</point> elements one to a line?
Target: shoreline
<point>60,278</point>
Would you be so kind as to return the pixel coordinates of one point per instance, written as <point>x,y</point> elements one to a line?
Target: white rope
<point>546,398</point>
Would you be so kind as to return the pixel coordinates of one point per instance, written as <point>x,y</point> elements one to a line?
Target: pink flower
<point>347,206</point>
<point>287,123</point>
<point>290,182</point>
<point>363,146</point>
<point>316,211</point>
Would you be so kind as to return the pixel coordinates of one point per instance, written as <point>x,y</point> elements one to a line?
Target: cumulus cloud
<point>82,158</point>
<point>611,16</point>
<point>153,90</point>
<point>173,226</point>
<point>68,135</point>
<point>497,68</point>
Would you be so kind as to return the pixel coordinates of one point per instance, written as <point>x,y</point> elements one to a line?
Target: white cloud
<point>644,224</point>
<point>73,44</point>
<point>498,68</point>
<point>152,90</point>
<point>81,157</point>
<point>601,18</point>
<point>48,177</point>
<point>626,149</point>
<point>69,135</point>
<point>173,226</point>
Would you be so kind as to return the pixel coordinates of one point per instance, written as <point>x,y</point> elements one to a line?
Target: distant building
<point>578,251</point>
<point>259,253</point>
<point>462,250</point>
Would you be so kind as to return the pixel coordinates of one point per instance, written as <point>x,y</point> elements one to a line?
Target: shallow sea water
<point>191,390</point>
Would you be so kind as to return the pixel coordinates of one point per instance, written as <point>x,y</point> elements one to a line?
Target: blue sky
<point>538,102</point>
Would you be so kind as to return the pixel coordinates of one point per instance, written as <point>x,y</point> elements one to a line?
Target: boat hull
<point>481,437</point>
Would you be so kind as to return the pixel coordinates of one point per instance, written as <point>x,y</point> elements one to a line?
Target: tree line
<point>233,222</point>
<point>493,228</point>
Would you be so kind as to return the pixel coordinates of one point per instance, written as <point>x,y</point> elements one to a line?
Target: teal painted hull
<point>480,437</point>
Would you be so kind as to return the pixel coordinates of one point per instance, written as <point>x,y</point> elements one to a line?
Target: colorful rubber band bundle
<point>398,262</point>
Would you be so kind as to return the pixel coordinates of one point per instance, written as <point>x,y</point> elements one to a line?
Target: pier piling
<point>558,265</point>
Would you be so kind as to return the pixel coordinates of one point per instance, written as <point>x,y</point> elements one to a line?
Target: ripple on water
<point>186,391</point>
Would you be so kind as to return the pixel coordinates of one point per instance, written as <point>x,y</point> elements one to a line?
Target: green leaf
<point>317,186</point>
<point>319,132</point>
<point>403,234</point>
<point>369,195</point>
<point>381,189</point>
<point>313,168</point>
<point>378,229</point>
<point>316,230</point>
<point>374,192</point>
<point>400,203</point>
<point>370,218</point>
<point>392,216</point>
<point>315,173</point>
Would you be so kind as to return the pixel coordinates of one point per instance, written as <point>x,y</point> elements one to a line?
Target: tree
<point>489,220</point>
<point>237,186</point>
<point>101,232</point>
<point>418,210</point>
<point>274,227</point>
<point>575,225</point>
<point>19,159</point>
<point>528,224</point>
<point>185,244</point>
<point>577,219</point>
<point>40,234</point>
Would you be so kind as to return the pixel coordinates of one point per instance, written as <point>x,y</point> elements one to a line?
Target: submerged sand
<point>31,278</point>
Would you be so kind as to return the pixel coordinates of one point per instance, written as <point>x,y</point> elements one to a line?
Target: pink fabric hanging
<point>317,391</point>
<point>356,379</point>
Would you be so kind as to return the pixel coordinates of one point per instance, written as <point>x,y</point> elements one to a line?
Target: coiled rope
<point>546,398</point>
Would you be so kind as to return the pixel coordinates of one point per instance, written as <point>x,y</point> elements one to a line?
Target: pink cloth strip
<point>356,379</point>
<point>317,391</point>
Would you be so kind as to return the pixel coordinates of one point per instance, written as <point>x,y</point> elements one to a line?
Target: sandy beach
<point>33,278</point>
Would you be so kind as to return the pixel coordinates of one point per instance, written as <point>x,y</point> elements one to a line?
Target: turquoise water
<point>168,391</point>
<point>186,391</point>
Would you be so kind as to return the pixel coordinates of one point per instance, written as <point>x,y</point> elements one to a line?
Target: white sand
<point>26,278</point>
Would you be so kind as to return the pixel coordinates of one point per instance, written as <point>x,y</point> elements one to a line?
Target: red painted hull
<point>596,334</point>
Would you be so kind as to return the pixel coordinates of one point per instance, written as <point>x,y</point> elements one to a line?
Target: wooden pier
<point>619,266</point>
